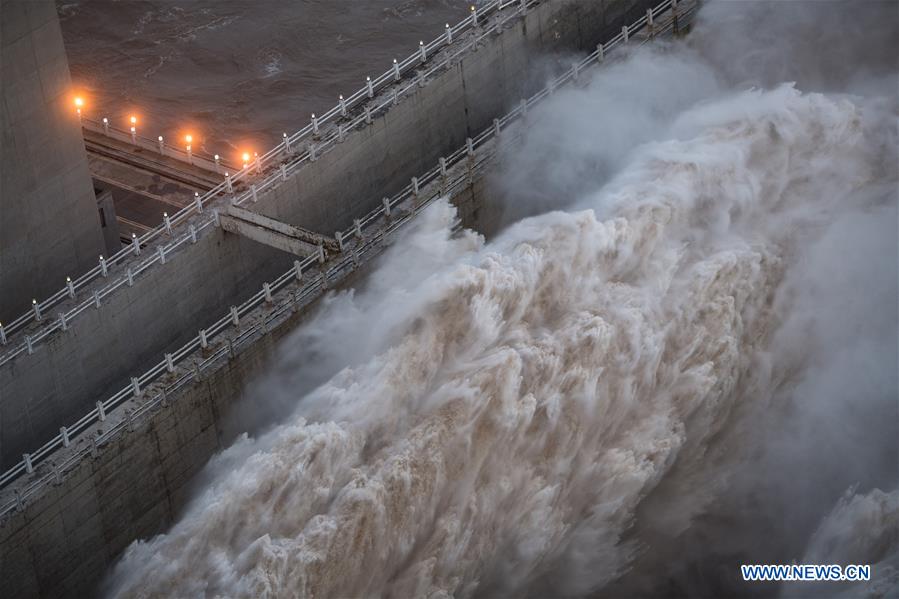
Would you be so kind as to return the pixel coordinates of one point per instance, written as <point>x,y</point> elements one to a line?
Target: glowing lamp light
<point>79,102</point>
<point>133,120</point>
<point>189,138</point>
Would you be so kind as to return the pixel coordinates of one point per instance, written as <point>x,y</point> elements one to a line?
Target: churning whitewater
<point>556,412</point>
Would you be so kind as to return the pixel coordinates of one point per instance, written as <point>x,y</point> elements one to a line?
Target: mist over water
<point>678,356</point>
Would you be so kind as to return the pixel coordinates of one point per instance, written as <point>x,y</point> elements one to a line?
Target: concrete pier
<point>49,220</point>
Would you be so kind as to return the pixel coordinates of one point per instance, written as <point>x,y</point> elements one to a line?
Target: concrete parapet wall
<point>133,328</point>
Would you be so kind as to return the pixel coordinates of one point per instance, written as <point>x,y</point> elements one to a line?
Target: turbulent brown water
<point>683,359</point>
<point>238,73</point>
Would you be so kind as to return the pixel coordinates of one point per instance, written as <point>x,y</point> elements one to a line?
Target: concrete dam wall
<point>131,328</point>
<point>129,474</point>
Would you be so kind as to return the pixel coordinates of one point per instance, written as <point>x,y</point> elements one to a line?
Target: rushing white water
<point>559,411</point>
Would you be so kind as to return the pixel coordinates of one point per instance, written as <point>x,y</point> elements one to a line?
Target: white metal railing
<point>351,257</point>
<point>211,163</point>
<point>278,156</point>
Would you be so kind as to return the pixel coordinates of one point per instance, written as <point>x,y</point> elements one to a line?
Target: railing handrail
<point>348,259</point>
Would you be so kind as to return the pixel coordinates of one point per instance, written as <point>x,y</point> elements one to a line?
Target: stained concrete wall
<point>104,347</point>
<point>49,223</point>
<point>62,544</point>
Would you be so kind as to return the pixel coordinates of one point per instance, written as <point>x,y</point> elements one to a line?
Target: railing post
<point>215,217</point>
<point>101,411</point>
<point>524,6</point>
<point>574,71</point>
<point>28,344</point>
<point>36,308</point>
<point>422,52</point>
<point>449,34</point>
<point>283,172</point>
<point>314,124</point>
<point>97,300</point>
<point>105,125</point>
<point>94,449</point>
<point>2,335</point>
<point>258,163</point>
<point>169,363</point>
<point>523,108</point>
<point>396,70</point>
<point>29,467</point>
<point>267,292</point>
<point>135,386</point>
<point>649,17</point>
<point>368,115</point>
<point>64,433</point>
<point>129,276</point>
<point>321,254</point>
<point>193,233</point>
<point>386,203</point>
<point>204,343</point>
<point>228,184</point>
<point>342,103</point>
<point>340,132</point>
<point>369,88</point>
<point>339,237</point>
<point>624,33</point>
<point>218,162</point>
<point>160,251</point>
<point>298,270</point>
<point>469,146</point>
<point>198,203</point>
<point>135,244</point>
<point>357,228</point>
<point>600,52</point>
<point>168,222</point>
<point>312,152</point>
<point>415,185</point>
<point>442,162</point>
<point>396,97</point>
<point>253,193</point>
<point>496,128</point>
<point>474,16</point>
<point>134,135</point>
<point>286,142</point>
<point>235,317</point>
<point>161,145</point>
<point>62,322</point>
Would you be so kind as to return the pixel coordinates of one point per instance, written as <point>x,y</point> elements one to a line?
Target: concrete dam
<point>116,388</point>
<point>560,304</point>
